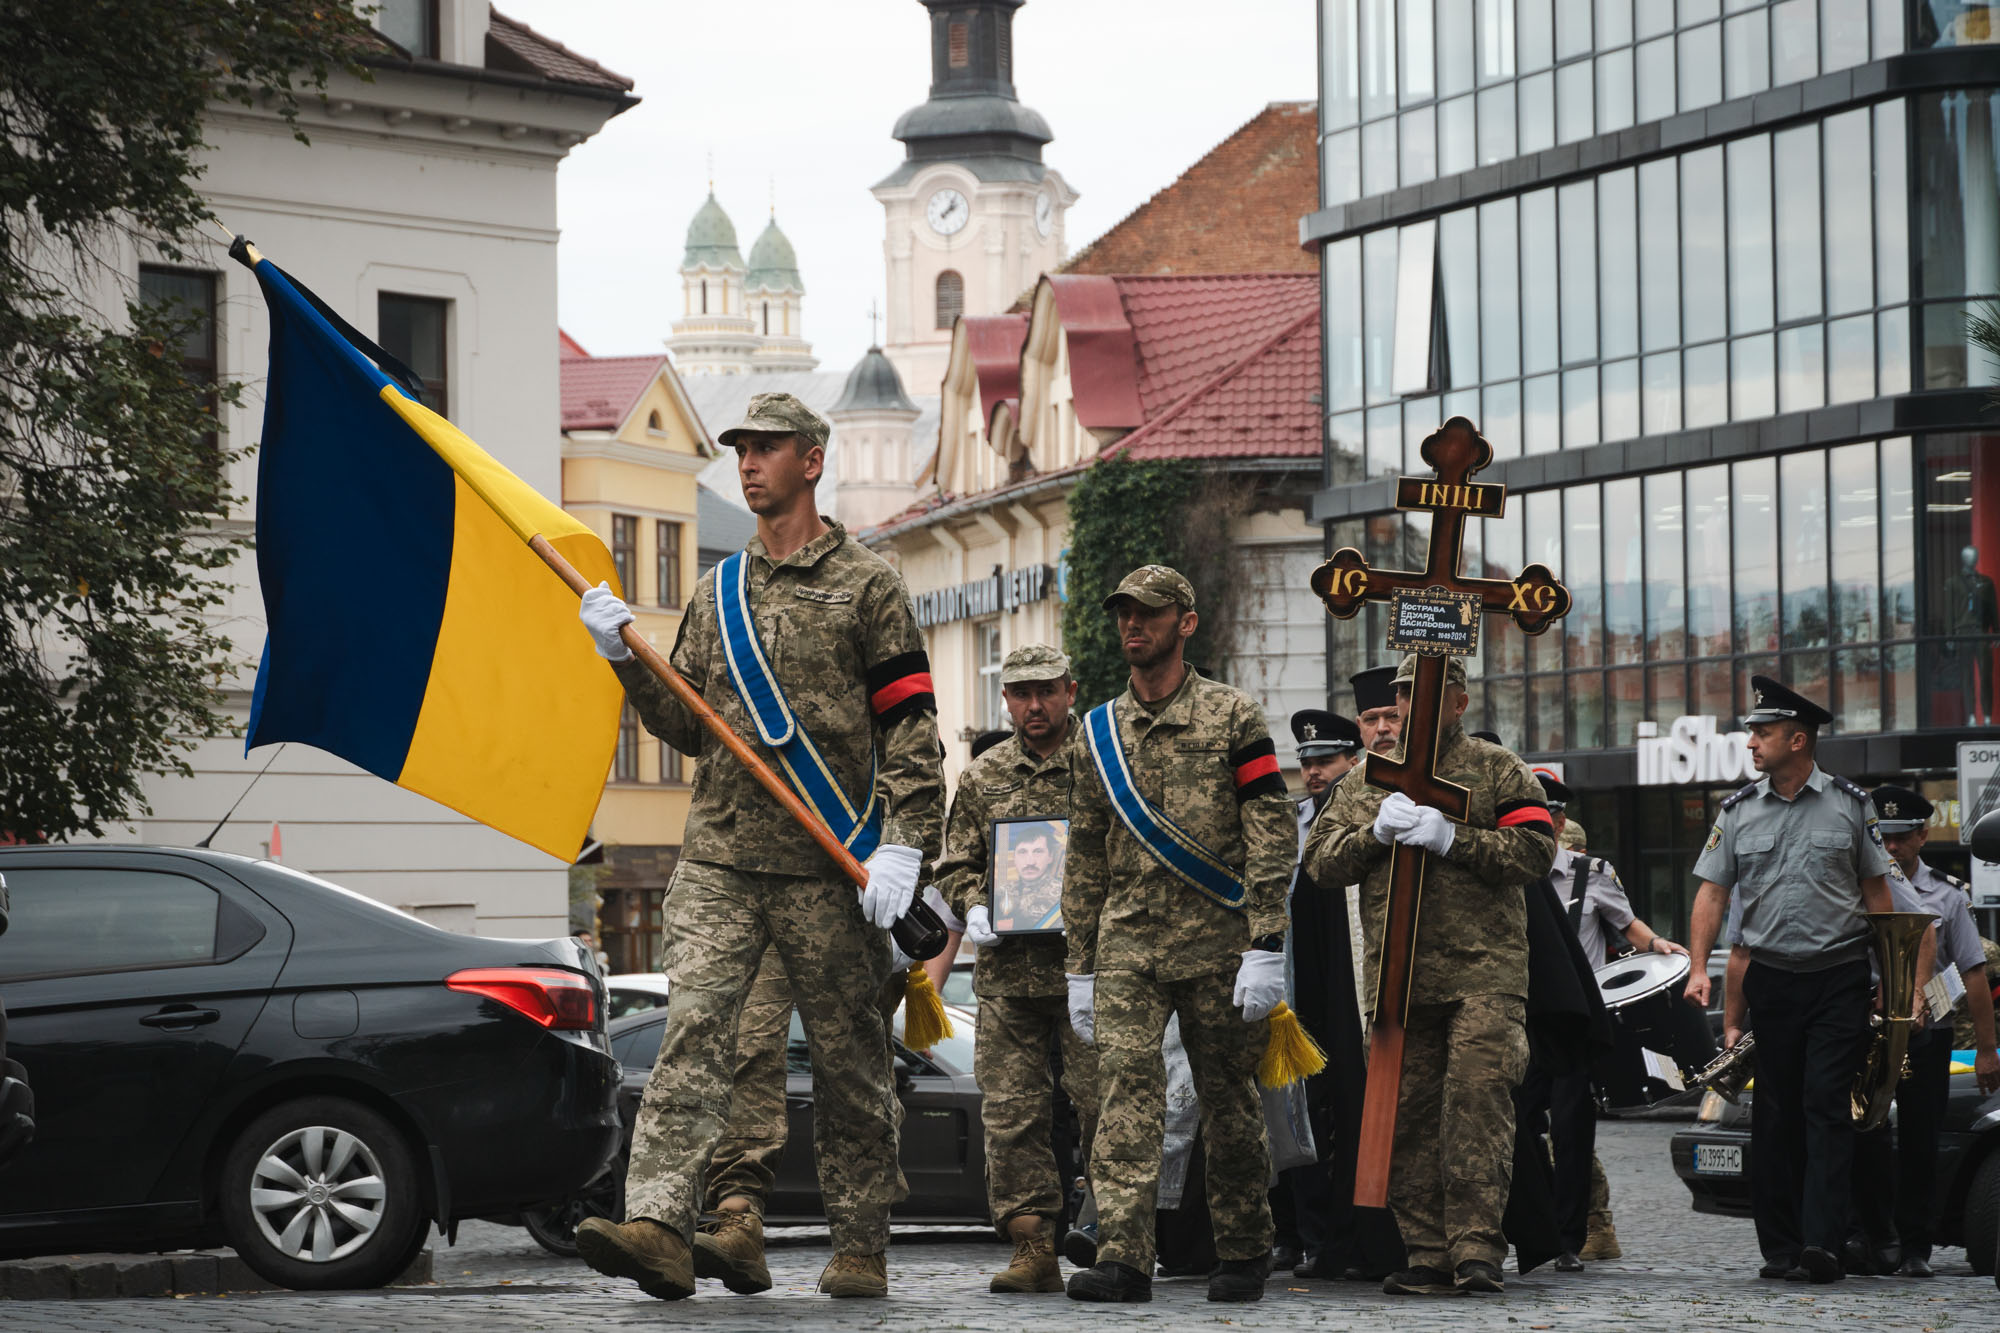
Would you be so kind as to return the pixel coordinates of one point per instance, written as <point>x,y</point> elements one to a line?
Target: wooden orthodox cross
<point>1434,612</point>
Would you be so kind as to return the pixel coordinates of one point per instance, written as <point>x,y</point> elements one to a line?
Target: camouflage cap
<point>1155,586</point>
<point>1574,837</point>
<point>1454,670</point>
<point>1037,661</point>
<point>780,414</point>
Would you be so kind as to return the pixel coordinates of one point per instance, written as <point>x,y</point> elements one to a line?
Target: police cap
<point>1899,810</point>
<point>1553,788</point>
<point>1774,701</point>
<point>1321,734</point>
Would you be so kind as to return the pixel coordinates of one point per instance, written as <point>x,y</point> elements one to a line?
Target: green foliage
<point>110,469</point>
<point>1982,328</point>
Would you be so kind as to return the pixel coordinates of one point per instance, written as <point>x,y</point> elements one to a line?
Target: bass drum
<point>1646,995</point>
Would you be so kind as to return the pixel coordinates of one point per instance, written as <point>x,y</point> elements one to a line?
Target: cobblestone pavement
<point>1681,1271</point>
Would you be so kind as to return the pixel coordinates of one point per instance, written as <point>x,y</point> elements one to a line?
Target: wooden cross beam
<point>1422,605</point>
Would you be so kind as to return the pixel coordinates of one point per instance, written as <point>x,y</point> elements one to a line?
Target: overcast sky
<point>795,98</point>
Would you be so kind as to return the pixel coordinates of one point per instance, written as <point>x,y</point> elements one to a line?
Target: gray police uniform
<point>1605,913</point>
<point>1796,866</point>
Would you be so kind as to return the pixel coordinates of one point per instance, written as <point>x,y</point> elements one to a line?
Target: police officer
<point>1801,850</point>
<point>1903,817</point>
<point>820,631</point>
<point>1466,1029</point>
<point>1375,711</point>
<point>1175,905</point>
<point>1019,978</point>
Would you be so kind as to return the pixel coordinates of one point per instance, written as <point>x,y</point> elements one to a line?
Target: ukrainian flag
<point>412,631</point>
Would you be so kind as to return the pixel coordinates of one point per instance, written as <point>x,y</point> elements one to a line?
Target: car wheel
<point>554,1227</point>
<point>1982,1215</point>
<point>322,1193</point>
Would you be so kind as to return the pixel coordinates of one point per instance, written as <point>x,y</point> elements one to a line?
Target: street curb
<point>91,1277</point>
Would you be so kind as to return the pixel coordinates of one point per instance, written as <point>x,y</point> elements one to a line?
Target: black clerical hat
<point>1375,688</point>
<point>1553,788</point>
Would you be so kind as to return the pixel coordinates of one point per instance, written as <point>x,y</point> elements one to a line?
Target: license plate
<point>1718,1159</point>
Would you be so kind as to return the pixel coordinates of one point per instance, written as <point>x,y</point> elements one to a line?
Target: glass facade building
<point>1701,274</point>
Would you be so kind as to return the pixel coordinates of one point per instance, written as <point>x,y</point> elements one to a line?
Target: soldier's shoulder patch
<point>1714,838</point>
<point>1737,797</point>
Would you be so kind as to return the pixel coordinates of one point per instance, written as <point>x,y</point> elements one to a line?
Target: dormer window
<point>410,24</point>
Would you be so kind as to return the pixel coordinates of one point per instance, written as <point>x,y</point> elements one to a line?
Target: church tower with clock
<point>973,216</point>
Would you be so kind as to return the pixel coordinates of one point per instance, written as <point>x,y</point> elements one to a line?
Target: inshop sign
<point>1692,751</point>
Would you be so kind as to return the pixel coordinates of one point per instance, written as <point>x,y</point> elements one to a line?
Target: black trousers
<point>1811,1028</point>
<point>1920,1101</point>
<point>1571,1107</point>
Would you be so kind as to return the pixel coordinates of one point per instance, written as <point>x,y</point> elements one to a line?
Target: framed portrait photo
<point>1024,892</point>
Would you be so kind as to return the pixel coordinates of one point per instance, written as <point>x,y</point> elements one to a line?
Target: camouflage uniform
<point>1022,996</point>
<point>1158,947</point>
<point>1466,1046</point>
<point>746,1158</point>
<point>841,636</point>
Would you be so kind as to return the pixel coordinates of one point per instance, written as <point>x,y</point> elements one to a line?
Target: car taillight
<point>560,1000</point>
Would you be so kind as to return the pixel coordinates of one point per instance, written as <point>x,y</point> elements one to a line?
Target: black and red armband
<point>900,687</point>
<point>1531,815</point>
<point>1256,768</point>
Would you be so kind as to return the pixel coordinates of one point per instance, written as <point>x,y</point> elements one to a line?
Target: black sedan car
<point>228,1051</point>
<point>1713,1159</point>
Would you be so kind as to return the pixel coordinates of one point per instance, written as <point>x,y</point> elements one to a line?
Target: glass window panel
<point>1579,407</point>
<point>1586,710</point>
<point>1950,359</point>
<point>1614,23</point>
<point>1959,495</point>
<point>1385,440</point>
<point>1855,696</point>
<point>1703,288</point>
<point>1749,162</point>
<point>1746,55</point>
<point>1378,289</point>
<point>1457,144</point>
<point>1538,112</point>
<point>1705,376</point>
<point>1378,157</point>
<point>1660,394</point>
<point>1572,28</point>
<point>1539,348</point>
<point>1501,419</point>
<point>1850,239</point>
<point>1843,34</point>
<point>1419,52</point>
<point>1659,257</point>
<point>1708,601</point>
<point>1419,146</point>
<point>1378,58</point>
<point>1752,378</point>
<point>1899,681</point>
<point>1573,102</point>
<point>1652,18</point>
<point>1667,687</point>
<point>1701,66</point>
<point>1853,539</point>
<point>1753,510</point>
<point>1801,368</point>
<point>1546,729</point>
<point>1899,542</point>
<point>1656,78</point>
<point>1795,177</point>
<point>1666,582</point>
<point>1794,41</point>
<point>1892,208</point>
<point>1583,630</point>
<point>1461,403</point>
<point>1694,11</point>
<point>1416,285</point>
<point>1624,573</point>
<point>1617,262</point>
<point>1496,124</point>
<point>1541,415</point>
<point>1499,293</point>
<point>1614,91</point>
<point>1535,26</point>
<point>1802,572</point>
<point>1501,557</point>
<point>1454,47</point>
<point>1542,539</point>
<point>1505,710</point>
<point>1714,693</point>
<point>1850,360</point>
<point>1340,168</point>
<point>1339,81</point>
<point>1892,342</point>
<point>1807,673</point>
<point>1349,461</point>
<point>1624,705</point>
<point>1888,26</point>
<point>1496,40</point>
<point>1577,234</point>
<point>1341,275</point>
<point>1420,419</point>
<point>1959,161</point>
<point>1458,254</point>
<point>1620,398</point>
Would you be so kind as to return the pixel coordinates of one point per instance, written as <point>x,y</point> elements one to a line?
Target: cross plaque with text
<point>1434,612</point>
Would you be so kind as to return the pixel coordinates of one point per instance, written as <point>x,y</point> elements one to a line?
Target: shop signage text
<point>1007,590</point>
<point>1693,751</point>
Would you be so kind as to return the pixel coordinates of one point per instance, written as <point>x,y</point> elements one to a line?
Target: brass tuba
<point>1896,939</point>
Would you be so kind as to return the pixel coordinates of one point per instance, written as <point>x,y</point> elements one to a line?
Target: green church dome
<point>773,266</point>
<point>711,238</point>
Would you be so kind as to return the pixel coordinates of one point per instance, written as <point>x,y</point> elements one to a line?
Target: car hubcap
<point>317,1194</point>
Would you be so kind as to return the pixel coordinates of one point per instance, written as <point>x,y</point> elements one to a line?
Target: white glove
<point>1083,1005</point>
<point>937,904</point>
<point>979,927</point>
<point>1398,812</point>
<point>1430,830</point>
<point>892,883</point>
<point>1260,983</point>
<point>602,613</point>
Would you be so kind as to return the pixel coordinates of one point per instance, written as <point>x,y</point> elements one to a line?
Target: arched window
<point>950,298</point>
<point>655,424</point>
<point>767,319</point>
<point>704,296</point>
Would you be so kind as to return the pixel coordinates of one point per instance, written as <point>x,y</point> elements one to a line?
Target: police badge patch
<point>1875,834</point>
<point>1714,839</point>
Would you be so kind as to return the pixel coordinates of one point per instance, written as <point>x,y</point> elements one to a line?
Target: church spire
<point>972,115</point>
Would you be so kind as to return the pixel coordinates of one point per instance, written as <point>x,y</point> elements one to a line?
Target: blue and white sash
<point>805,768</point>
<point>1167,842</point>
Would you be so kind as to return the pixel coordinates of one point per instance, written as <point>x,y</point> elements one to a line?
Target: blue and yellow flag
<point>411,629</point>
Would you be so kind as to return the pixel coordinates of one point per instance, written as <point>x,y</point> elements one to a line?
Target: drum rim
<point>1677,967</point>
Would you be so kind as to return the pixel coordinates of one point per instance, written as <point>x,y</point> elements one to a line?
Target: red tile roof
<point>1102,351</point>
<point>568,346</point>
<point>514,46</point>
<point>1190,329</point>
<point>598,392</point>
<point>1263,406</point>
<point>994,343</point>
<point>1237,210</point>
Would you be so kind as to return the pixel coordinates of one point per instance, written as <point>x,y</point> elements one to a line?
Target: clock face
<point>1045,214</point>
<point>947,212</point>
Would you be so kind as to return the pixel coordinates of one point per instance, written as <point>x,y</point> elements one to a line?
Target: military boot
<point>652,1255</point>
<point>1033,1268</point>
<point>1601,1241</point>
<point>856,1275</point>
<point>1110,1282</point>
<point>731,1249</point>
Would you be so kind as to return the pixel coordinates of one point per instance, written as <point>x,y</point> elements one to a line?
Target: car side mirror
<point>1986,837</point>
<point>905,1070</point>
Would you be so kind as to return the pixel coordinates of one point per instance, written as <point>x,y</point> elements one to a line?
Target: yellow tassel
<point>1291,1054</point>
<point>925,1023</point>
